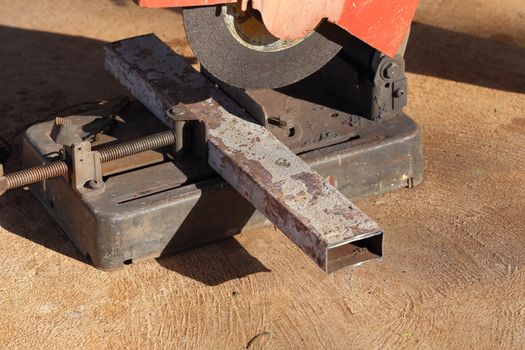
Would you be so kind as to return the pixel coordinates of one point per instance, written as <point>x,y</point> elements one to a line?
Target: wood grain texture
<point>453,274</point>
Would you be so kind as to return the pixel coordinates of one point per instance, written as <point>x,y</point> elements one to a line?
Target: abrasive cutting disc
<point>236,48</point>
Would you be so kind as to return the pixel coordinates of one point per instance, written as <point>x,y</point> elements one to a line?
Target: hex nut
<point>391,71</point>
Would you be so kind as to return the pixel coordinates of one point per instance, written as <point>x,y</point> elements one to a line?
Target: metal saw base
<point>154,205</point>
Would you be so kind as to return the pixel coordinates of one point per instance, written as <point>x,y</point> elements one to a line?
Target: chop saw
<point>298,107</point>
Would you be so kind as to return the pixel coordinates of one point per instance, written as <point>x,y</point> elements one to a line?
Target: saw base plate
<point>154,206</point>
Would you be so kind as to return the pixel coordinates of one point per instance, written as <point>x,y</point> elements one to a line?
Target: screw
<point>176,111</point>
<point>59,121</point>
<point>391,71</point>
<point>399,93</point>
<point>95,185</point>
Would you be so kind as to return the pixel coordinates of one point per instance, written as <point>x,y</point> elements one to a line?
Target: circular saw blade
<point>236,53</point>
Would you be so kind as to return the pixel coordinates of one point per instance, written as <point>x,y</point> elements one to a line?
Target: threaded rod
<point>36,174</point>
<point>147,143</point>
<point>58,168</point>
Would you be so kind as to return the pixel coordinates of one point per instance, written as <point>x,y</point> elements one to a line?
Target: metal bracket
<point>86,177</point>
<point>191,133</point>
<point>390,88</point>
<point>64,132</point>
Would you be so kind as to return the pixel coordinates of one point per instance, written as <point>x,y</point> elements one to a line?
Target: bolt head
<point>176,111</point>
<point>391,71</point>
<point>399,93</point>
<point>95,185</point>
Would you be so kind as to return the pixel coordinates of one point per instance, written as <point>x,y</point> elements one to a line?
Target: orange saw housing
<point>382,24</point>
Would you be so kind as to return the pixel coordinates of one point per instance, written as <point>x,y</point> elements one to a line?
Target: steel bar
<point>59,168</point>
<point>314,215</point>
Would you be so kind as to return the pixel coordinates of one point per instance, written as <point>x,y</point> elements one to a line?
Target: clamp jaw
<point>85,164</point>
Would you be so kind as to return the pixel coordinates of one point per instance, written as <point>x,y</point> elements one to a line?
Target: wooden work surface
<point>453,274</point>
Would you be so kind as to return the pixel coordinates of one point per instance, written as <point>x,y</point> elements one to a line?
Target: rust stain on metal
<point>296,199</point>
<point>313,184</point>
<point>282,162</point>
<point>332,180</point>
